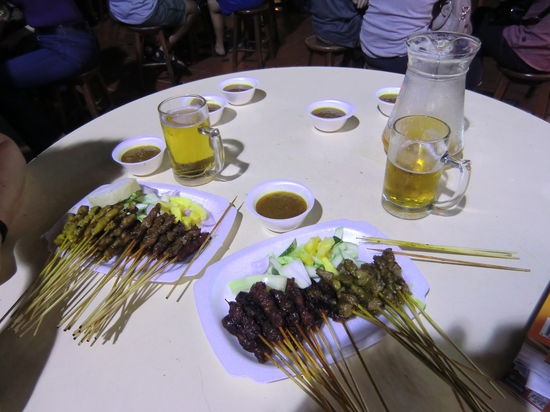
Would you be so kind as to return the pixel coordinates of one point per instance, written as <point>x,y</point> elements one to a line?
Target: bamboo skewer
<point>414,336</point>
<point>364,364</point>
<point>440,248</point>
<point>69,278</point>
<point>208,237</point>
<point>456,347</point>
<point>118,297</point>
<point>332,387</point>
<point>455,261</point>
<point>355,392</point>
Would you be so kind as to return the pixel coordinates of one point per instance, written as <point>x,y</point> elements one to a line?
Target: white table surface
<point>162,359</point>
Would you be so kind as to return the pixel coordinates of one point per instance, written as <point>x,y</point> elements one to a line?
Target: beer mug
<point>196,150</point>
<point>417,156</point>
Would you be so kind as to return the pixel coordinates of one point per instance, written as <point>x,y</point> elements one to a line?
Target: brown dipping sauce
<point>328,112</point>
<point>389,97</point>
<point>237,87</point>
<point>139,154</point>
<point>281,205</point>
<point>212,107</point>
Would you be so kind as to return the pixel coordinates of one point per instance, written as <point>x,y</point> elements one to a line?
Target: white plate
<point>214,206</point>
<point>212,292</point>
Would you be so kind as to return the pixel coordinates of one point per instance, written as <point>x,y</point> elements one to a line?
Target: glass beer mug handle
<point>464,168</point>
<point>217,146</point>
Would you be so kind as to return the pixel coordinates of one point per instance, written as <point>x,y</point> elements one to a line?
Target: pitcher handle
<point>217,146</point>
<point>464,168</point>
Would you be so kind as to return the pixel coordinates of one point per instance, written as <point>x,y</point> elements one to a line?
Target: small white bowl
<point>221,101</point>
<point>270,186</point>
<point>238,97</point>
<point>385,106</point>
<point>147,166</point>
<point>330,124</point>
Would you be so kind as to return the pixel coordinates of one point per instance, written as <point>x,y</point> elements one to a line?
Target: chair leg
<point>272,36</point>
<point>273,26</point>
<point>105,91</point>
<point>236,35</point>
<point>59,106</point>
<point>139,58</point>
<point>330,59</point>
<point>541,100</point>
<point>258,40</point>
<point>89,98</point>
<point>502,85</point>
<point>167,57</point>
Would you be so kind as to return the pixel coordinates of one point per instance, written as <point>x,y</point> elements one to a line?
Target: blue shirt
<point>336,21</point>
<point>41,13</point>
<point>132,11</point>
<point>230,6</point>
<point>387,23</point>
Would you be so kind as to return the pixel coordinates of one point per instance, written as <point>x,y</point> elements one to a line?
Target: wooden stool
<point>89,82</point>
<point>262,14</point>
<point>158,33</point>
<point>317,46</point>
<point>539,84</point>
<point>65,97</point>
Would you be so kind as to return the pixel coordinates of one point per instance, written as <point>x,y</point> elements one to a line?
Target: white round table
<point>162,359</point>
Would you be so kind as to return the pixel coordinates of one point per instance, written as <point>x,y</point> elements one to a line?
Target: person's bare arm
<point>12,178</point>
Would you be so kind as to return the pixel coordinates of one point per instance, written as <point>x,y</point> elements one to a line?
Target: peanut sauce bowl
<point>238,90</point>
<point>281,205</point>
<point>216,106</point>
<point>330,115</point>
<point>141,167</point>
<point>386,98</point>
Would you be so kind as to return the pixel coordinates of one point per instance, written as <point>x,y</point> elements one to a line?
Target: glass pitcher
<point>435,82</point>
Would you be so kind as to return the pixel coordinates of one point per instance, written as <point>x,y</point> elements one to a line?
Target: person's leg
<point>494,45</point>
<point>191,13</point>
<point>177,14</point>
<point>218,23</point>
<point>58,57</point>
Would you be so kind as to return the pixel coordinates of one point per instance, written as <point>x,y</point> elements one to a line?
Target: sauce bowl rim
<point>270,186</point>
<point>133,141</point>
<point>350,108</point>
<point>250,81</point>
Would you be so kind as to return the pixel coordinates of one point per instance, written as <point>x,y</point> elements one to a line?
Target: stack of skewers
<point>285,329</point>
<point>137,252</point>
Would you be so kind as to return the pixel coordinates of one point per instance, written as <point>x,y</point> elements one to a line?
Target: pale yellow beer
<point>386,138</point>
<point>413,166</point>
<point>196,151</point>
<point>410,189</point>
<point>190,150</point>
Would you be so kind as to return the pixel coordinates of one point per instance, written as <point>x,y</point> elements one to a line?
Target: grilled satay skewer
<point>163,255</point>
<point>134,237</point>
<point>112,231</point>
<point>59,280</point>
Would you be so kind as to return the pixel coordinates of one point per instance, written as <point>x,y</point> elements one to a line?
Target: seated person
<point>386,26</point>
<point>217,9</point>
<point>521,47</point>
<point>337,22</point>
<point>63,46</point>
<point>12,177</point>
<point>177,14</point>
